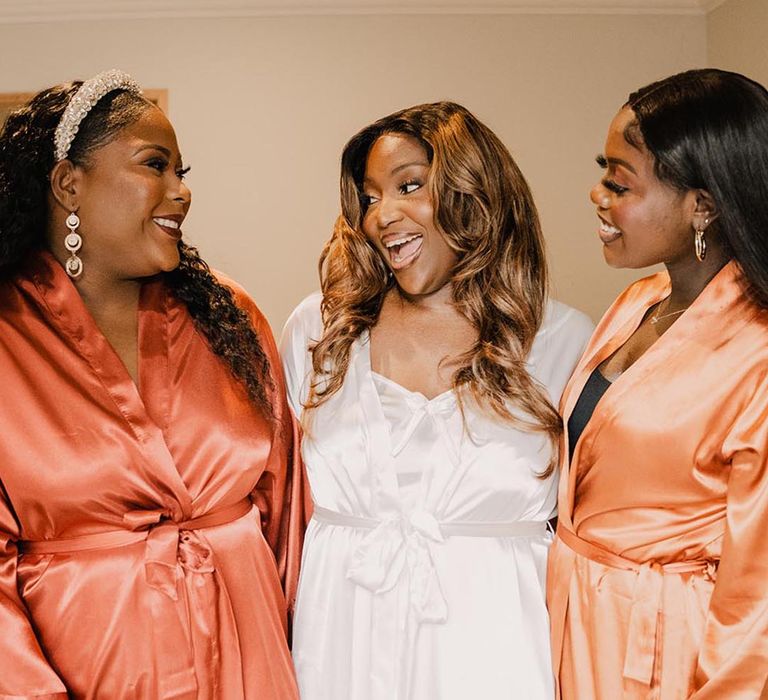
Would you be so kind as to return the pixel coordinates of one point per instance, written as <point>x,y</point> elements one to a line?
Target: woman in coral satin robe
<point>429,370</point>
<point>658,578</point>
<point>150,504</point>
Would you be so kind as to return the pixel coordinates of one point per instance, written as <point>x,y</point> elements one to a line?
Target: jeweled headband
<point>83,101</point>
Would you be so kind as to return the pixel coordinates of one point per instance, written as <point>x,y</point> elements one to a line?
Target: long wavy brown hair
<point>484,208</point>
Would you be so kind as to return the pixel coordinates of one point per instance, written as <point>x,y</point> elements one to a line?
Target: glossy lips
<point>607,232</point>
<point>170,224</point>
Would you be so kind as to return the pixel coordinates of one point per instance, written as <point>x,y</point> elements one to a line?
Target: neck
<point>439,300</point>
<point>108,298</point>
<point>689,278</point>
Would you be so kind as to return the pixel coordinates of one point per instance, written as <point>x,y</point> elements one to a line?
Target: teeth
<point>402,241</point>
<point>607,228</point>
<point>168,223</point>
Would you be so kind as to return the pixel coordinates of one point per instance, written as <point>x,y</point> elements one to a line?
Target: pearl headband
<point>83,101</point>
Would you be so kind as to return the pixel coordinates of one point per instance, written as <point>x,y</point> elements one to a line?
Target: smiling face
<point>131,200</point>
<point>399,216</point>
<point>643,221</point>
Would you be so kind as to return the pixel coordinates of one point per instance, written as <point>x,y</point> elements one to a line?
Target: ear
<point>705,212</point>
<point>66,182</point>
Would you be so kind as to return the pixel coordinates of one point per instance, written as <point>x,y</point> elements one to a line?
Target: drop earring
<point>73,242</point>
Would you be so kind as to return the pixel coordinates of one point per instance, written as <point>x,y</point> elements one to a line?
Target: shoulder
<point>305,324</point>
<point>245,302</point>
<point>564,332</point>
<point>559,343</point>
<point>565,321</point>
<point>639,291</point>
<point>242,298</point>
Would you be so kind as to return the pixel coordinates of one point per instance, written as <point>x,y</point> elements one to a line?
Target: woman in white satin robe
<point>424,567</point>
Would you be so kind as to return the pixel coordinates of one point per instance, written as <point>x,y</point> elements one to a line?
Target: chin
<point>169,261</point>
<point>170,266</point>
<point>420,286</point>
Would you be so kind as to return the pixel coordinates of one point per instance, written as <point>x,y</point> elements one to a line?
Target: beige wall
<point>736,38</point>
<point>263,107</point>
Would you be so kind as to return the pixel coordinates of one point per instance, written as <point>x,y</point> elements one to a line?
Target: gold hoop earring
<point>700,243</point>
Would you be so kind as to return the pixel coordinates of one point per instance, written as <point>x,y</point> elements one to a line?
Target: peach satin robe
<point>666,505</point>
<point>140,602</point>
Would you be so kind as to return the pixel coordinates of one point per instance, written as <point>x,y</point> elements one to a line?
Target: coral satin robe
<point>137,601</point>
<point>658,580</point>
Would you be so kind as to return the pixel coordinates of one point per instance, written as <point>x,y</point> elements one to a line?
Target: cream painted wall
<point>736,38</point>
<point>263,106</point>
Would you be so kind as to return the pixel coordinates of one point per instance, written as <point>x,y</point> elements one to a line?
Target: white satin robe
<point>396,605</point>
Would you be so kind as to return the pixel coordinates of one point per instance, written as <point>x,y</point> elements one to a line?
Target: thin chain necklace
<point>656,318</point>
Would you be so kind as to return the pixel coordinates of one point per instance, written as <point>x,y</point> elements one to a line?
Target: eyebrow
<point>154,147</point>
<point>604,161</point>
<point>403,166</point>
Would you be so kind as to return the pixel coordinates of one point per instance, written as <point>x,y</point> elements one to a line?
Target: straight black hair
<point>708,129</point>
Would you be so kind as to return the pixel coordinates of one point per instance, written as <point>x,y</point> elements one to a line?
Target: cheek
<point>421,210</point>
<point>369,230</point>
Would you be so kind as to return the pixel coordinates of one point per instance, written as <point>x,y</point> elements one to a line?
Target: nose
<point>388,212</point>
<point>600,196</point>
<point>180,192</point>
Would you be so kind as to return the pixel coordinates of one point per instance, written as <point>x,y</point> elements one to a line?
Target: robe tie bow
<point>169,542</point>
<point>172,543</point>
<point>647,602</point>
<point>402,543</point>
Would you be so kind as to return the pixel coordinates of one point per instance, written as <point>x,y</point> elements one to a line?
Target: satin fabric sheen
<point>172,608</point>
<point>659,587</point>
<point>434,590</point>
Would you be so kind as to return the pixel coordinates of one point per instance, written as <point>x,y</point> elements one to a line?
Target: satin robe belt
<point>168,542</point>
<point>402,542</point>
<point>647,601</point>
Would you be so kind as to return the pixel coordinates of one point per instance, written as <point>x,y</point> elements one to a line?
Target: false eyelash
<point>601,160</point>
<point>613,186</point>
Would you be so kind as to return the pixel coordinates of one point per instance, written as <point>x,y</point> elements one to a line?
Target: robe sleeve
<point>282,493</point>
<point>303,328</point>
<point>24,671</point>
<point>733,660</point>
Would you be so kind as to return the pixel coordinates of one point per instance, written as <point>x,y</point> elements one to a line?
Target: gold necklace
<point>656,318</point>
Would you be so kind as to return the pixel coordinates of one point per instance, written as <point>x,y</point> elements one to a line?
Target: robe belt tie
<point>401,542</point>
<point>170,543</point>
<point>647,601</point>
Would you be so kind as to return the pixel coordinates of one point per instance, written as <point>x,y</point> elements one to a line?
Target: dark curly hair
<point>26,159</point>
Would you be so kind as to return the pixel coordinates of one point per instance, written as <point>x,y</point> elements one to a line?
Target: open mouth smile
<point>171,226</point>
<point>403,249</point>
<point>607,232</point>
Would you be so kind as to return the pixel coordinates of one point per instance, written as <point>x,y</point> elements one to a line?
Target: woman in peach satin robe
<point>150,500</point>
<point>658,577</point>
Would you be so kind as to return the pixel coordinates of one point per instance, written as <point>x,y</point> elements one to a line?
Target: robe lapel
<point>385,498</point>
<point>612,332</point>
<point>52,290</point>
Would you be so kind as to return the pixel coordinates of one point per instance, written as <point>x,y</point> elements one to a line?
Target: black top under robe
<point>592,392</point>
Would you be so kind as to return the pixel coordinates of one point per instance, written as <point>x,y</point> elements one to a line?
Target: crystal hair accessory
<point>83,101</point>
